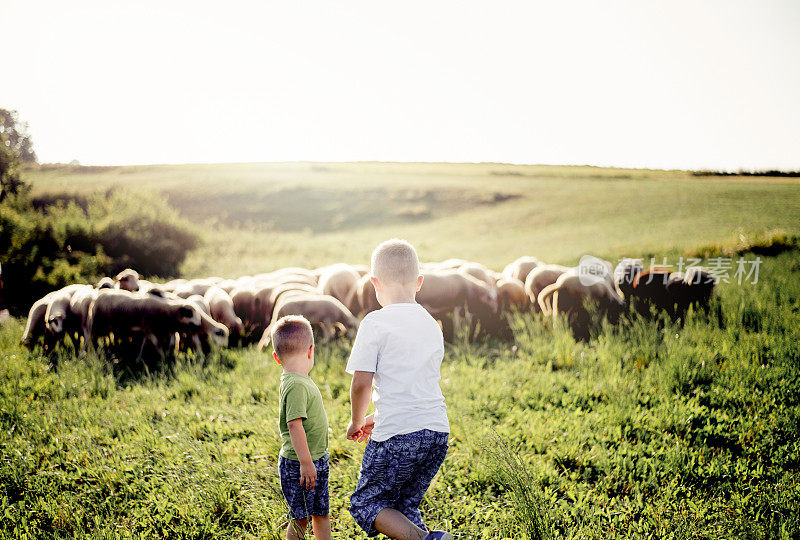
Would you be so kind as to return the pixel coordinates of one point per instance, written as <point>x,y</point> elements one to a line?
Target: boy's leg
<point>410,496</point>
<point>319,509</point>
<point>396,525</point>
<point>322,527</point>
<point>296,530</point>
<point>384,469</point>
<point>298,499</point>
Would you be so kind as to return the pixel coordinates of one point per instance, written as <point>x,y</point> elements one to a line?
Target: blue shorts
<point>304,502</point>
<point>396,473</point>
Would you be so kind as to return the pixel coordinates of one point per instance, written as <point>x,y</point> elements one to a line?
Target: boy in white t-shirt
<point>398,350</point>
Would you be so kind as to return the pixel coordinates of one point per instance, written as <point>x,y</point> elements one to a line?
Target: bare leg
<point>296,529</point>
<point>395,525</point>
<point>322,527</point>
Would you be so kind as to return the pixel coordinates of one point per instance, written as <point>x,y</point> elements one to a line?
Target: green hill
<point>256,217</point>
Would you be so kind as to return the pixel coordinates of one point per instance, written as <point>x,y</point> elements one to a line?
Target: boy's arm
<point>308,473</point>
<point>360,390</point>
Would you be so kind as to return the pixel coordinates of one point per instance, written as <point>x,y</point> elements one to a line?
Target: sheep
<point>172,285</point>
<point>295,274</point>
<point>625,274</point>
<point>511,295</point>
<point>243,298</point>
<point>362,269</point>
<point>520,268</point>
<point>283,289</point>
<point>79,306</point>
<point>479,272</point>
<point>448,264</point>
<point>367,300</point>
<point>196,286</point>
<point>198,339</point>
<point>105,283</point>
<point>35,328</point>
<point>58,317</point>
<point>694,289</point>
<point>341,282</point>
<point>127,280</point>
<point>199,301</point>
<point>264,298</point>
<point>702,284</point>
<point>511,298</point>
<point>446,293</point>
<point>325,313</point>
<point>228,285</point>
<point>221,309</point>
<point>650,289</point>
<point>539,278</point>
<point>126,314</point>
<point>572,291</point>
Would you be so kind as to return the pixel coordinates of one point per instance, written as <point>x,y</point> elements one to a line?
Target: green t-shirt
<point>299,397</point>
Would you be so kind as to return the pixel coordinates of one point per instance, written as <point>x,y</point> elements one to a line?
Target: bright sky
<point>678,84</point>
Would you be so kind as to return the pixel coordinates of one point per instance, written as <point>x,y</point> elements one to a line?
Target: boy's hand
<point>308,475</point>
<point>354,430</point>
<point>365,433</point>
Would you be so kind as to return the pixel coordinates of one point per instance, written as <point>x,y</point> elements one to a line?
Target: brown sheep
<point>650,289</point>
<point>282,289</point>
<point>511,298</point>
<point>570,294</point>
<point>243,298</point>
<point>295,274</point>
<point>126,314</point>
<point>448,264</point>
<point>511,295</point>
<point>264,299</point>
<point>625,274</point>
<point>365,294</point>
<point>325,313</point>
<point>453,293</point>
<point>539,278</point>
<point>210,330</point>
<point>479,272</point>
<point>520,268</point>
<point>221,309</point>
<point>694,289</point>
<point>128,280</point>
<point>362,269</point>
<point>341,282</point>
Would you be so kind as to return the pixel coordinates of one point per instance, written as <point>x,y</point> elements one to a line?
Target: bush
<point>67,242</point>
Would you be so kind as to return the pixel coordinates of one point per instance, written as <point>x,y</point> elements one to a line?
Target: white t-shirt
<point>403,346</point>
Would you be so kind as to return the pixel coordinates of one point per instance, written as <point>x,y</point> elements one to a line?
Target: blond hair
<point>290,335</point>
<point>395,261</point>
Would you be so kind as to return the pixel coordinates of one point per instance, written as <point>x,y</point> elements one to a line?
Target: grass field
<point>647,430</point>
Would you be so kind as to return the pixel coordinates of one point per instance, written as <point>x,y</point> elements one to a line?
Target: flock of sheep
<point>136,314</point>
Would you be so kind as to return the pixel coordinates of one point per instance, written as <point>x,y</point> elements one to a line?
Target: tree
<point>10,182</point>
<point>16,136</point>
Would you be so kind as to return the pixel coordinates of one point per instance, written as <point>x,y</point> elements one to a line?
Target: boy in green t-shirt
<point>303,461</point>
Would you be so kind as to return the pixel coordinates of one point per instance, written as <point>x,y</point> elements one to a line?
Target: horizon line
<point>739,170</point>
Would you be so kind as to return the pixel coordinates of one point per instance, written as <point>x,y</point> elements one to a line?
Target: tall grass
<point>528,508</point>
<point>646,430</point>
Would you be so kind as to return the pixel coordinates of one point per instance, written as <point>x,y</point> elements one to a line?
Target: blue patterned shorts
<point>396,473</point>
<point>304,502</point>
